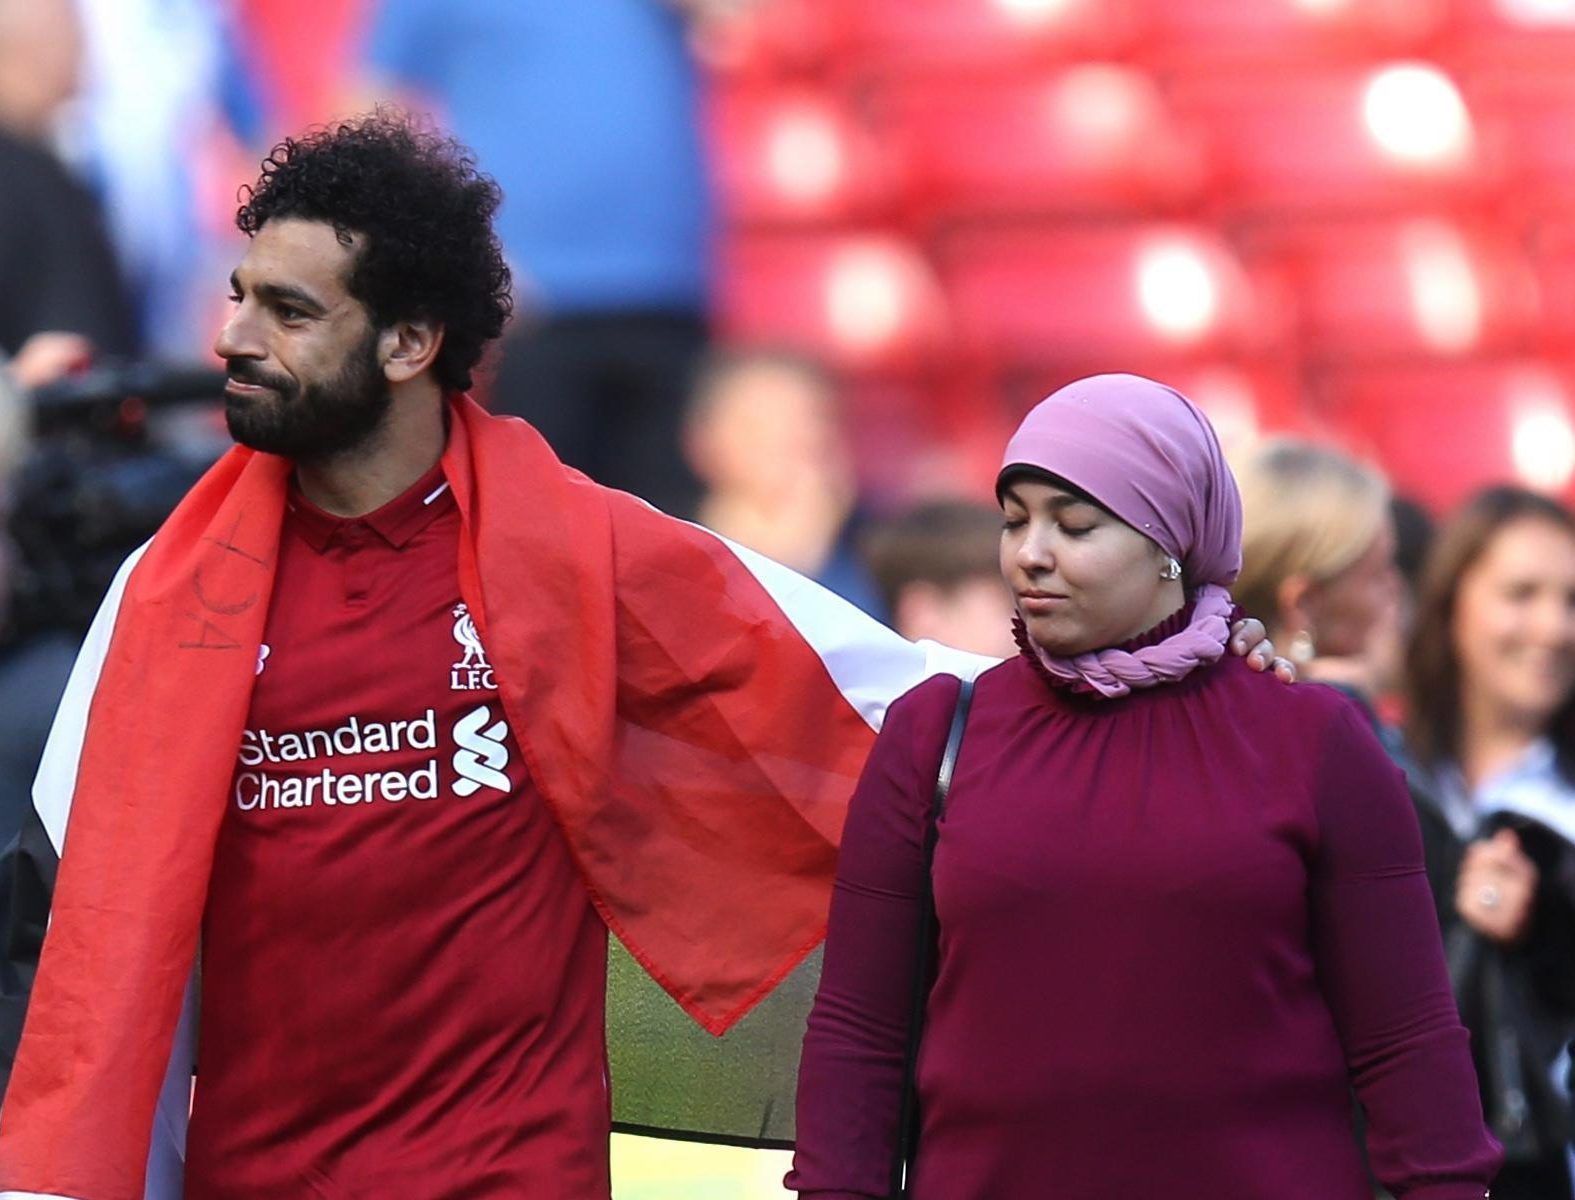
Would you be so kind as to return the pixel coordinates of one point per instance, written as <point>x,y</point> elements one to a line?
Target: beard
<point>311,422</point>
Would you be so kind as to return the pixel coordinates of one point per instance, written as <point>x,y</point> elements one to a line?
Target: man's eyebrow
<point>275,293</point>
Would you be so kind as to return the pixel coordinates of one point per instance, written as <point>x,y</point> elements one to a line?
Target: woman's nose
<point>1034,553</point>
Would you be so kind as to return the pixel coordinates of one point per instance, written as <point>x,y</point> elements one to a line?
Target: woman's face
<point>1362,602</point>
<point>1514,622</point>
<point>1083,580</point>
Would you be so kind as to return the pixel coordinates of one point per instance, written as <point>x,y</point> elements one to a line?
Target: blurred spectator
<point>1414,531</point>
<point>33,672</point>
<point>162,104</point>
<point>939,573</point>
<point>586,113</point>
<point>764,434</point>
<point>60,273</point>
<point>46,357</point>
<point>1492,723</point>
<point>62,303</point>
<point>1318,563</point>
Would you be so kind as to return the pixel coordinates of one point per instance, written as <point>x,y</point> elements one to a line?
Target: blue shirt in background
<point>586,112</point>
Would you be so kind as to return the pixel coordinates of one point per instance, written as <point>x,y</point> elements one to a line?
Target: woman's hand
<point>1497,887</point>
<point>1248,637</point>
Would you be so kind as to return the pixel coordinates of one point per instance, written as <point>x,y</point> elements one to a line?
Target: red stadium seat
<point>768,40</point>
<point>1346,140</point>
<point>1103,298</point>
<point>1415,288</point>
<point>1553,251</point>
<point>924,35</point>
<point>1244,400</point>
<point>1442,432</point>
<point>1089,139</point>
<point>924,439</point>
<point>1527,112</point>
<point>1297,31</point>
<point>794,155</point>
<point>864,302</point>
<point>1528,33</point>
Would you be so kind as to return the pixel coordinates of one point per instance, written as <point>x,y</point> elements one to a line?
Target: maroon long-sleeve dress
<point>1175,928</point>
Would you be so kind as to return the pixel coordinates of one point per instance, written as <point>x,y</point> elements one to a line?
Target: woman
<point>1492,723</point>
<point>1181,908</point>
<point>1318,562</point>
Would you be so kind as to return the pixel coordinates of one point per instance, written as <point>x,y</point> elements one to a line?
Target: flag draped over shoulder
<point>695,717</point>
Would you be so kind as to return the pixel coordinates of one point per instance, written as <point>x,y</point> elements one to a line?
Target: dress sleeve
<point>1381,967</point>
<point>851,1074</point>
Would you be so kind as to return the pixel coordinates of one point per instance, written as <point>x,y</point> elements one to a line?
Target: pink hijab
<point>1149,455</point>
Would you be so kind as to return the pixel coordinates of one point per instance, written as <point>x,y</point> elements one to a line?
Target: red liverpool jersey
<point>403,979</point>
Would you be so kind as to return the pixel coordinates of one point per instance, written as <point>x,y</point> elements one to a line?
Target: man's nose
<point>238,339</point>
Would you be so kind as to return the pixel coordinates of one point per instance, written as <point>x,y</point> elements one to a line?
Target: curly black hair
<point>425,213</point>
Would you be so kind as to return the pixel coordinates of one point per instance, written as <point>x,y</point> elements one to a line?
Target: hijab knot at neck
<point>1148,455</point>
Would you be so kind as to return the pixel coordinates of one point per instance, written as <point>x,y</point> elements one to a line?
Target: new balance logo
<point>481,752</point>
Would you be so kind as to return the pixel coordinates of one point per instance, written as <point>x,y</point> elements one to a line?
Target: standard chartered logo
<point>304,769</point>
<point>481,752</point>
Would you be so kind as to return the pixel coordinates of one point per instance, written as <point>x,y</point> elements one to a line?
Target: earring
<point>1171,569</point>
<point>1302,650</point>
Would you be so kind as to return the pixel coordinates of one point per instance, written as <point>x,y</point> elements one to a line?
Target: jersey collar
<point>396,522</point>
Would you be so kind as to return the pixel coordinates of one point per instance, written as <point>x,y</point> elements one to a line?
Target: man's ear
<point>407,348</point>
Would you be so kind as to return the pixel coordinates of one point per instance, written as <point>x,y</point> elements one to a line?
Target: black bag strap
<point>908,1126</point>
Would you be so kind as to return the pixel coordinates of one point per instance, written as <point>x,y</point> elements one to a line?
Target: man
<point>938,569</point>
<point>797,504</point>
<point>63,280</point>
<point>404,716</point>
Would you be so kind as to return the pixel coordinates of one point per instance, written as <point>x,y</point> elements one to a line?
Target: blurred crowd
<point>663,346</point>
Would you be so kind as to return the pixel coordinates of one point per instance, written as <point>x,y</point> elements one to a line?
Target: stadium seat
<point>1536,34</point>
<point>1287,31</point>
<point>1412,288</point>
<point>1442,432</point>
<point>1526,113</point>
<point>930,35</point>
<point>793,155</point>
<point>941,436</point>
<point>770,40</point>
<point>1553,252</point>
<point>1091,139</point>
<point>1345,140</point>
<point>1244,400</point>
<point>863,302</point>
<point>1103,297</point>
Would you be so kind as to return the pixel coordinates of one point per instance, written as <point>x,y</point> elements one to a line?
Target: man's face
<point>306,378</point>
